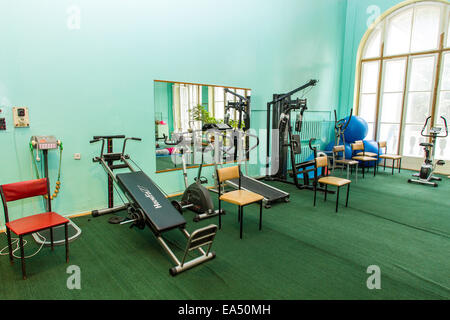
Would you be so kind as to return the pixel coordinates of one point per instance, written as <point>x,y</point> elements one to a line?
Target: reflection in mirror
<point>187,107</point>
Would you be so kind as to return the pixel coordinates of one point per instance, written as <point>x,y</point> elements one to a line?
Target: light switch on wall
<point>77,156</point>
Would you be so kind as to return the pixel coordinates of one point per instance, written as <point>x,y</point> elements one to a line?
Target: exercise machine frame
<point>425,176</point>
<point>140,217</point>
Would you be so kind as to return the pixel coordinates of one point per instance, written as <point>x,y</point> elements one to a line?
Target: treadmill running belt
<point>158,209</point>
<point>259,188</point>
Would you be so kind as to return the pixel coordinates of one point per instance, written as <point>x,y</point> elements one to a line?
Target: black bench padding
<point>157,208</point>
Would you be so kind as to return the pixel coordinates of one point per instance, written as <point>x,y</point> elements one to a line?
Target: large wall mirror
<point>182,107</point>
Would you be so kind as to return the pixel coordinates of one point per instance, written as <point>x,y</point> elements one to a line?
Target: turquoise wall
<point>163,103</point>
<point>358,13</point>
<point>98,79</point>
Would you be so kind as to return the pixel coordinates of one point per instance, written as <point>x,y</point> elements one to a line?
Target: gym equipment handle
<point>173,143</point>
<point>235,94</point>
<point>446,127</point>
<point>424,127</point>
<point>109,137</point>
<point>310,143</point>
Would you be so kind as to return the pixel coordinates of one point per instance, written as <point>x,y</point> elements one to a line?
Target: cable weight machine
<point>289,145</point>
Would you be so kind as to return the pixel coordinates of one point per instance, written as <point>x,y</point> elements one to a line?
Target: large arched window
<point>404,75</point>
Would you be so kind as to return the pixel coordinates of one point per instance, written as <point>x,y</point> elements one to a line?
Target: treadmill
<point>270,193</point>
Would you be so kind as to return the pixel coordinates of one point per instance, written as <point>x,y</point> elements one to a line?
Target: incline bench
<point>149,206</point>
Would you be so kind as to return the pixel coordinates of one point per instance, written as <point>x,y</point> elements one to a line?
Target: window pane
<point>184,107</point>
<point>394,75</point>
<point>367,107</point>
<point>445,77</point>
<point>389,133</point>
<point>219,109</point>
<point>218,93</point>
<point>425,28</point>
<point>373,45</point>
<point>391,107</point>
<point>399,33</point>
<point>422,70</point>
<point>442,149</point>
<point>370,72</point>
<point>230,96</point>
<point>219,105</point>
<point>444,106</point>
<point>448,32</point>
<point>411,141</point>
<point>371,131</point>
<point>418,107</point>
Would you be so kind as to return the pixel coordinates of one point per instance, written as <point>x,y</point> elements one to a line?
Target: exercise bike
<point>196,197</point>
<point>425,176</point>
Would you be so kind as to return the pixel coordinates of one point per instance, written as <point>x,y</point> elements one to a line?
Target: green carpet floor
<point>302,252</point>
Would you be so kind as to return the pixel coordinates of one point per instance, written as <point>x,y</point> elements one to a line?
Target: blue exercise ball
<point>357,129</point>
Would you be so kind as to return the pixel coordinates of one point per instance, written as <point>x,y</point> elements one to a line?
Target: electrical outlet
<point>77,156</point>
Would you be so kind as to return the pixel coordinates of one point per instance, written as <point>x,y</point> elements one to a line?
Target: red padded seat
<point>36,223</point>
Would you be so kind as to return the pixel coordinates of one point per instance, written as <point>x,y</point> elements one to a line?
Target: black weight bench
<point>149,206</point>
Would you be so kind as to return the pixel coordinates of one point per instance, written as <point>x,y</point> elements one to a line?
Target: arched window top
<point>403,73</point>
<point>412,28</point>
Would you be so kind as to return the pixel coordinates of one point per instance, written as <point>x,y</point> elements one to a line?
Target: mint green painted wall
<point>99,80</point>
<point>355,28</point>
<point>163,103</point>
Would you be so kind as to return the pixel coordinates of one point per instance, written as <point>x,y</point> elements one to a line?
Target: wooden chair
<point>359,145</point>
<point>239,197</point>
<point>34,223</point>
<point>365,153</point>
<point>322,162</point>
<point>337,159</point>
<point>393,157</point>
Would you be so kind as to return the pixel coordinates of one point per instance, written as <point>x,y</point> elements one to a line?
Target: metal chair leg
<point>315,193</point>
<point>337,199</point>
<point>239,216</point>
<point>348,190</point>
<point>399,161</point>
<point>22,257</point>
<point>51,239</point>
<point>363,168</point>
<point>66,231</point>
<point>11,257</point>
<point>220,218</point>
<point>241,210</point>
<point>260,214</point>
<point>393,166</point>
